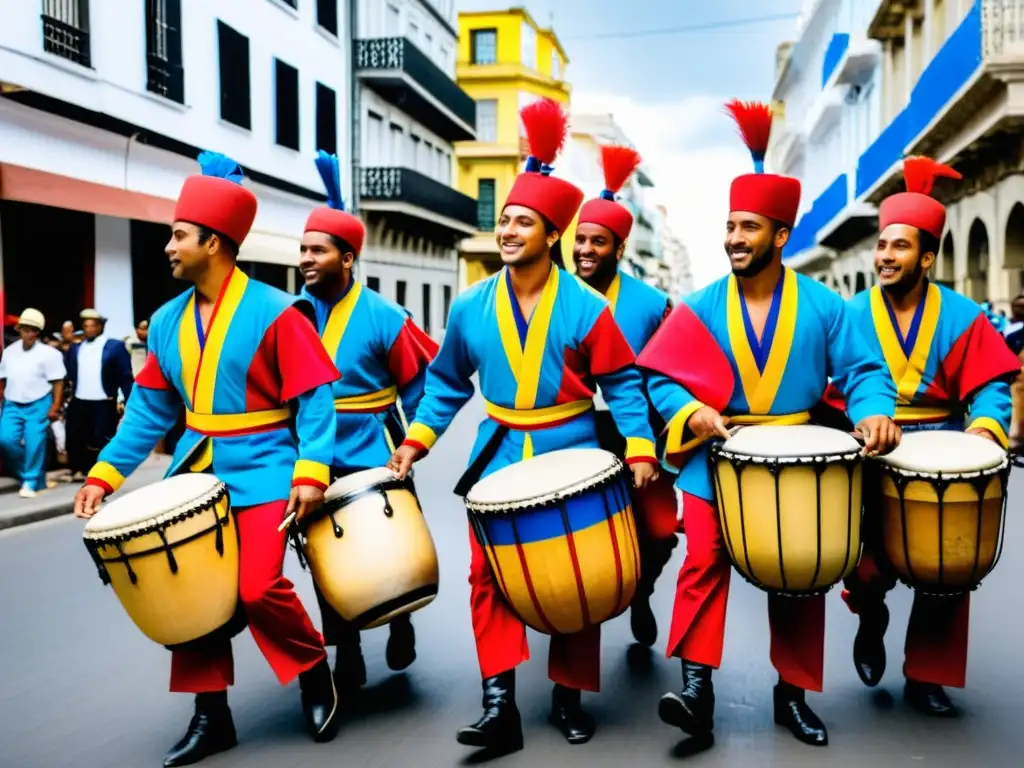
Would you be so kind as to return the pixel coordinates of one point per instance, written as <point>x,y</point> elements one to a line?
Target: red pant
<point>697,633</point>
<point>278,622</point>
<point>573,660</point>
<point>658,505</point>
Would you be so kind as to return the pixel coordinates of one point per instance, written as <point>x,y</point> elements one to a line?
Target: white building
<point>104,106</point>
<point>677,259</point>
<point>408,111</point>
<point>942,78</point>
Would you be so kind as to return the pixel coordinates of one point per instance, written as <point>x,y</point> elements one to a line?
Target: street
<point>83,687</point>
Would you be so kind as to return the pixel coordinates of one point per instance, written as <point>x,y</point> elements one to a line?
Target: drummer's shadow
<point>392,694</point>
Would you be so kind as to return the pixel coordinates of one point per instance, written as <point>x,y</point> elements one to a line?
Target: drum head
<point>357,481</point>
<point>799,441</point>
<point>154,504</point>
<point>946,451</point>
<point>543,479</point>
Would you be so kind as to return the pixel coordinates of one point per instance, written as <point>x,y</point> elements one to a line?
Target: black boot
<point>869,644</point>
<point>569,717</point>
<point>654,553</point>
<point>319,701</point>
<point>349,670</point>
<point>791,710</point>
<point>693,708</point>
<point>401,650</point>
<point>500,728</point>
<point>210,731</point>
<point>642,621</point>
<point>929,699</point>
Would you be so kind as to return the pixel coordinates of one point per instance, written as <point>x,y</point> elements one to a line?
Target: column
<point>113,275</point>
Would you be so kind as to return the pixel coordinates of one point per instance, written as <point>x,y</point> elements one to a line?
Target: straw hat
<point>32,318</point>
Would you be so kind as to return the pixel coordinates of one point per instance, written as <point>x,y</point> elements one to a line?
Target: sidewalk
<point>58,501</point>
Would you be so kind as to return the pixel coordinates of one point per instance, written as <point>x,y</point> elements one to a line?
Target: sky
<point>667,90</point>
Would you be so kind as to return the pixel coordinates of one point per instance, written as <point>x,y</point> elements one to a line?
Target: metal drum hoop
<point>775,464</point>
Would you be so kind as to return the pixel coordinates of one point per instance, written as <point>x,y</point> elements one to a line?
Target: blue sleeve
<point>315,430</point>
<point>856,368</point>
<point>991,408</point>
<point>411,394</point>
<point>623,391</point>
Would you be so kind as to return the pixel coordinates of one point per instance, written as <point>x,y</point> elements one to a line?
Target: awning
<point>268,248</point>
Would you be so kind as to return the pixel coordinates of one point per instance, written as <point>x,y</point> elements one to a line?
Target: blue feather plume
<point>330,172</point>
<point>221,166</point>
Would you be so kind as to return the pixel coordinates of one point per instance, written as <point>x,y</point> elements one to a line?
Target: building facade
<point>505,61</point>
<point>99,127</point>
<point>942,78</point>
<point>408,113</point>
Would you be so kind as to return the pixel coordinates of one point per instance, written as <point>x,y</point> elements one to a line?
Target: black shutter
<point>235,105</point>
<point>326,119</point>
<point>286,80</point>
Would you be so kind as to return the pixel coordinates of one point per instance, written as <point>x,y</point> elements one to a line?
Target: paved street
<point>82,687</point>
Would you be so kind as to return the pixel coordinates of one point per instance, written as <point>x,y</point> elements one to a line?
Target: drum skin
<point>174,608</point>
<point>779,549</point>
<point>381,566</point>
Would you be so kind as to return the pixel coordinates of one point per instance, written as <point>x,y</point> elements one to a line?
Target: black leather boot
<point>211,731</point>
<point>791,711</point>
<point>569,717</point>
<point>642,621</point>
<point>500,728</point>
<point>654,553</point>
<point>319,701</point>
<point>693,708</point>
<point>401,650</point>
<point>929,699</point>
<point>869,644</point>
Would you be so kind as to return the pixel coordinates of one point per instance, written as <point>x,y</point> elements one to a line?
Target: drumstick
<point>287,521</point>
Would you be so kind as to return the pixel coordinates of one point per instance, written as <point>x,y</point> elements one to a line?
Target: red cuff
<point>308,481</point>
<point>415,444</point>
<point>641,460</point>
<point>95,481</point>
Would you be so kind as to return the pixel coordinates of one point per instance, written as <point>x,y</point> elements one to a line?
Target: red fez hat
<point>766,194</point>
<point>216,199</point>
<point>617,163</point>
<point>916,207</point>
<point>556,200</point>
<point>332,218</point>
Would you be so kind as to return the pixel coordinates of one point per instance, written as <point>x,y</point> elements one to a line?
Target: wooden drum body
<point>370,550</point>
<point>170,552</point>
<point>560,537</point>
<point>789,503</point>
<point>943,509</point>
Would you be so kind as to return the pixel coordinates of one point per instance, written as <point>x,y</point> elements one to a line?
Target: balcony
<point>67,38</point>
<point>400,72</point>
<point>858,63</point>
<point>416,202</point>
<point>825,112</point>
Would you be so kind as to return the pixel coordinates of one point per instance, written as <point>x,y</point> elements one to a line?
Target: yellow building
<point>505,62</point>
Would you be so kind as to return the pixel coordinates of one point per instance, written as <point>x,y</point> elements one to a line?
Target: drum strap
<point>476,470</point>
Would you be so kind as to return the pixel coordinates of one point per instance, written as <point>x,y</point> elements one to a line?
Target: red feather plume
<point>754,119</point>
<point>920,174</point>
<point>618,164</point>
<point>547,126</point>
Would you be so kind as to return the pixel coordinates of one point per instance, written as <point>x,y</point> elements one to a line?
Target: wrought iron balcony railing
<point>434,200</point>
<point>66,40</point>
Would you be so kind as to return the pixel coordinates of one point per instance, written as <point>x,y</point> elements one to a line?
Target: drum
<point>170,552</point>
<point>369,548</point>
<point>560,537</point>
<point>789,502</point>
<point>943,509</point>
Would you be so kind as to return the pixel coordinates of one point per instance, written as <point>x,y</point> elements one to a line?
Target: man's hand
<point>303,500</point>
<point>54,414</point>
<point>644,473</point>
<point>881,434</point>
<point>87,501</point>
<point>986,434</point>
<point>707,422</point>
<point>402,459</point>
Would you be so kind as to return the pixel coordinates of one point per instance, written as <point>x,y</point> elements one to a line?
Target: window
<point>292,3</point>
<point>327,15</point>
<point>556,65</point>
<point>483,46</point>
<point>164,74</point>
<point>373,283</point>
<point>393,24</point>
<point>446,59</point>
<point>326,119</point>
<point>440,166</point>
<point>397,149</point>
<point>414,30</point>
<point>286,79</point>
<point>447,297</point>
<point>375,150</point>
<point>485,204</point>
<point>234,76</point>
<point>400,292</point>
<point>428,158</point>
<point>428,42</point>
<point>487,120</point>
<point>426,307</point>
<point>528,46</point>
<point>66,30</point>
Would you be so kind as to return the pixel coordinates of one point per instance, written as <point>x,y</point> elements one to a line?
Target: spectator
<point>32,383</point>
<point>138,346</point>
<point>97,369</point>
<point>1015,338</point>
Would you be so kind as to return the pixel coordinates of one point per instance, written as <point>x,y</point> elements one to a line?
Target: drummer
<point>382,357</point>
<point>785,334</point>
<point>952,370</point>
<point>601,232</point>
<point>538,338</point>
<point>239,357</point>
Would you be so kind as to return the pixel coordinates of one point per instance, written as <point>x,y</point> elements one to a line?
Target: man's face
<point>187,256</point>
<point>1017,310</point>
<point>142,330</point>
<point>320,261</point>
<point>29,335</point>
<point>897,262</point>
<point>750,242</point>
<point>67,331</point>
<point>594,253</point>
<point>91,328</point>
<point>521,236</point>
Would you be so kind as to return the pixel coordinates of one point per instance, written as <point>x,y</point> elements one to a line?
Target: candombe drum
<point>170,552</point>
<point>560,537</point>
<point>369,548</point>
<point>943,509</point>
<point>789,502</point>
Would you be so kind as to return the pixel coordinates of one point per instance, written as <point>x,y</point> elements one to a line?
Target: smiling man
<point>382,357</point>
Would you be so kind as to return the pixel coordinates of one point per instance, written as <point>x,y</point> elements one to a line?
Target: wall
<point>383,153</point>
<point>113,281</point>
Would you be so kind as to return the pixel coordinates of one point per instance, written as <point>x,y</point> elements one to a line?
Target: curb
<point>19,518</point>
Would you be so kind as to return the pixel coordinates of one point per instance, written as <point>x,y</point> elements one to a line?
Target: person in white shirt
<point>32,385</point>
